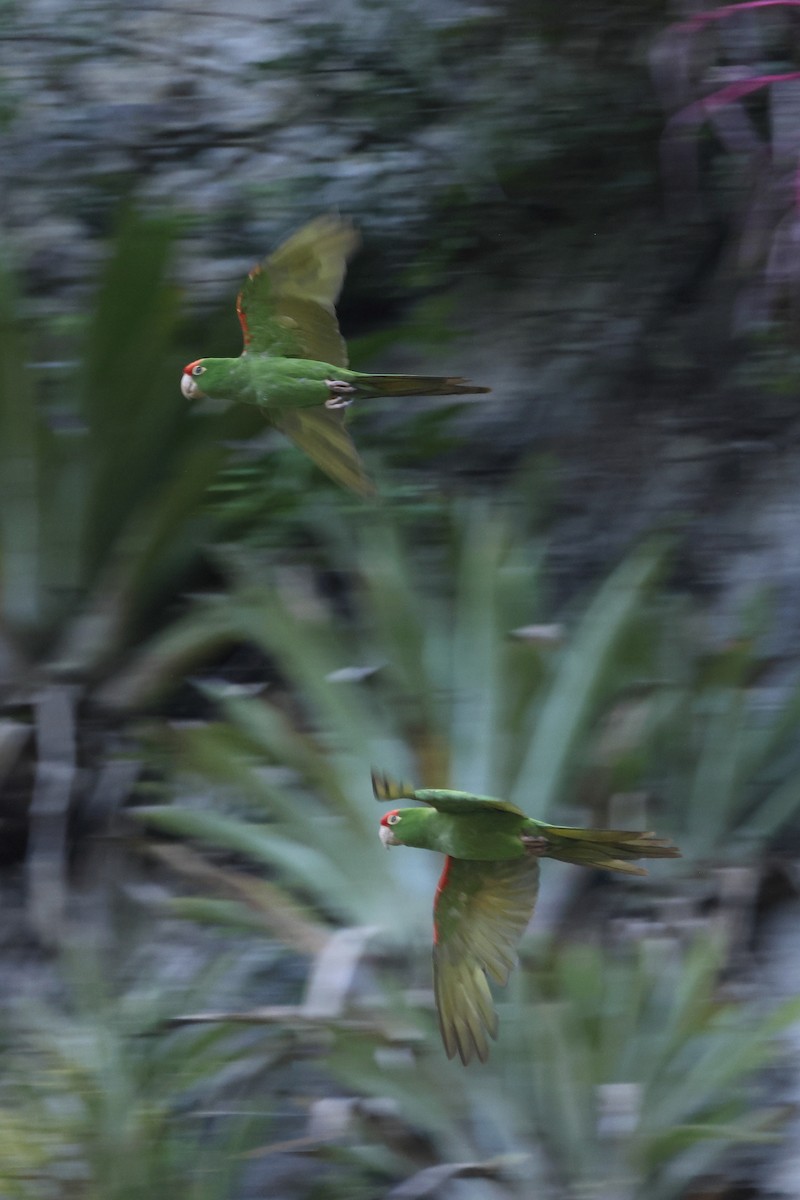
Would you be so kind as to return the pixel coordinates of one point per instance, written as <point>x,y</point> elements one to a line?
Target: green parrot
<point>487,890</point>
<point>294,361</point>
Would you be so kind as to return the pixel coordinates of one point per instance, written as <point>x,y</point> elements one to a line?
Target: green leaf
<point>20,464</point>
<point>307,868</point>
<point>582,674</point>
<point>715,796</point>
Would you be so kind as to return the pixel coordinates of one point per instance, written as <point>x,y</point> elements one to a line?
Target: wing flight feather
<point>286,305</point>
<point>480,913</point>
<point>321,434</point>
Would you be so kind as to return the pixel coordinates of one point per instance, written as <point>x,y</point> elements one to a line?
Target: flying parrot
<point>294,361</point>
<point>487,890</point>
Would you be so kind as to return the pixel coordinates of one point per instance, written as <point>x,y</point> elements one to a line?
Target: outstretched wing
<point>446,801</point>
<point>386,788</point>
<point>286,304</point>
<point>321,434</point>
<point>479,915</point>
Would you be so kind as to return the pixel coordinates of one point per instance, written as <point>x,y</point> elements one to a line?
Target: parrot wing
<point>386,788</point>
<point>480,913</point>
<point>444,800</point>
<point>320,433</point>
<point>285,307</point>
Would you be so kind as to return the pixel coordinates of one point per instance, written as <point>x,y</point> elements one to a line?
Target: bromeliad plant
<point>425,679</point>
<point>103,1100</point>
<point>103,475</point>
<point>625,1074</point>
<point>447,684</point>
<point>634,1072</point>
<point>723,751</point>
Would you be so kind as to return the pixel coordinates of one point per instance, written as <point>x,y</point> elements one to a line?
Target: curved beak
<point>387,836</point>
<point>189,388</point>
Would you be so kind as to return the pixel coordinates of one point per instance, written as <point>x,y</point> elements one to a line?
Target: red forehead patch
<point>187,370</point>
<point>385,817</point>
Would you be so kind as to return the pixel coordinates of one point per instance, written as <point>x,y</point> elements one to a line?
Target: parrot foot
<point>535,846</point>
<point>339,393</point>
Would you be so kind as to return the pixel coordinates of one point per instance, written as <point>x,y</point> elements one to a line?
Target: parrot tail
<point>609,849</point>
<point>416,385</point>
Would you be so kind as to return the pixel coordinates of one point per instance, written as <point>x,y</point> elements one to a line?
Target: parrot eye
<point>198,370</point>
<point>393,819</point>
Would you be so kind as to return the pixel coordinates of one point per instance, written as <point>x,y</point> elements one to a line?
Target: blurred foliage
<point>728,755</point>
<point>104,470</point>
<point>415,642</point>
<point>103,480</point>
<point>637,1075</point>
<point>102,1101</point>
<point>432,671</point>
<point>625,1074</point>
<point>444,673</point>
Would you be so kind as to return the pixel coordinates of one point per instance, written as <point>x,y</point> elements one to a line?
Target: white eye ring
<point>198,370</point>
<point>393,819</point>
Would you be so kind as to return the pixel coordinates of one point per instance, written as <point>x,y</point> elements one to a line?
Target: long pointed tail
<point>610,849</point>
<point>416,385</point>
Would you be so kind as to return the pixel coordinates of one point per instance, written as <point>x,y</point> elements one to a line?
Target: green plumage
<point>488,888</point>
<point>281,383</point>
<point>294,361</point>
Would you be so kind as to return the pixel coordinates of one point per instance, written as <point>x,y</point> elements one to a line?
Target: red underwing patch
<point>441,885</point>
<point>240,312</point>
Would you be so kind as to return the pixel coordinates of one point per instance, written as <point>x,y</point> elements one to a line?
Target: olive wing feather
<point>286,305</point>
<point>480,913</point>
<point>321,434</point>
<point>442,799</point>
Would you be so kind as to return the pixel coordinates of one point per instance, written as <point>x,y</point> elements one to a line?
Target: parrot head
<point>386,831</point>
<point>190,379</point>
<point>408,827</point>
<point>208,377</point>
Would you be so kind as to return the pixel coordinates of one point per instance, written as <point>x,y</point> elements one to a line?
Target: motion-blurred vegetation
<point>199,630</point>
<point>725,754</point>
<point>620,1073</point>
<point>103,516</point>
<point>460,676</point>
<point>101,1101</point>
<point>454,676</point>
<point>437,674</point>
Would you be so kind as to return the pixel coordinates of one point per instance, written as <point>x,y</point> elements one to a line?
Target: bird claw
<point>339,391</point>
<point>535,846</point>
